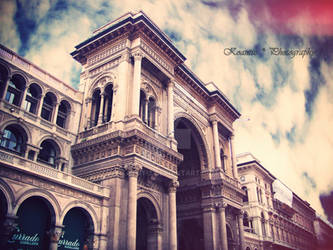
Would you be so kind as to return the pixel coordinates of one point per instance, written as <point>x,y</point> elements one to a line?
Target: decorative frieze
<point>105,53</point>
<point>156,57</point>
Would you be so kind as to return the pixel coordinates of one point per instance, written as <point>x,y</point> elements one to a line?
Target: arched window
<point>258,195</point>
<point>108,98</point>
<point>63,112</point>
<point>48,104</point>
<point>151,112</point>
<point>222,158</point>
<point>15,90</point>
<point>142,110</point>
<point>3,79</point>
<point>96,103</point>
<point>32,98</point>
<point>246,220</point>
<point>14,139</point>
<point>263,227</point>
<point>48,153</point>
<point>246,197</point>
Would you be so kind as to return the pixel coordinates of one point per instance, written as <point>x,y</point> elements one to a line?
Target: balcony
<point>47,172</point>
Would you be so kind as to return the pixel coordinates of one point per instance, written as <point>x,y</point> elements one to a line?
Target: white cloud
<point>8,34</point>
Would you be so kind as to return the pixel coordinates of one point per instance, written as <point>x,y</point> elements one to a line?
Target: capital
<point>171,83</point>
<point>133,170</point>
<point>125,56</point>
<point>173,186</point>
<point>55,233</point>
<point>137,56</point>
<point>221,205</point>
<point>240,213</point>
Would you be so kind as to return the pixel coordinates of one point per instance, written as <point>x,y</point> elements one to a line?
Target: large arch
<point>200,138</point>
<point>78,229</point>
<point>47,196</point>
<point>35,218</point>
<point>9,195</point>
<point>189,211</point>
<point>153,200</point>
<point>147,225</point>
<point>85,206</point>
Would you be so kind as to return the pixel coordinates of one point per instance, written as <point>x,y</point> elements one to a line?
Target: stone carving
<point>173,185</point>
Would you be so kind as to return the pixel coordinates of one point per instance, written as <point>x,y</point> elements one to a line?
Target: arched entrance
<point>189,212</point>
<point>147,226</point>
<point>231,243</point>
<point>35,217</point>
<point>78,230</point>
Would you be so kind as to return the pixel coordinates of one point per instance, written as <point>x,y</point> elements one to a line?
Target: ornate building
<point>274,216</point>
<point>140,157</point>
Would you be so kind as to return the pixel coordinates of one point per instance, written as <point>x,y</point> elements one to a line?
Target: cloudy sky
<point>286,101</point>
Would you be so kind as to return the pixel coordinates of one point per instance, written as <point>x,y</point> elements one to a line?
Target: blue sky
<point>286,102</point>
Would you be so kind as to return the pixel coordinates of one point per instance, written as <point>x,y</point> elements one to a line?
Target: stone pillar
<point>216,145</point>
<point>223,225</point>
<point>209,224</point>
<point>55,234</point>
<point>41,100</point>
<point>241,229</point>
<point>88,112</point>
<point>55,113</point>
<point>133,172</point>
<point>146,111</point>
<point>120,88</point>
<point>24,97</point>
<point>173,215</point>
<point>233,157</point>
<point>3,95</point>
<point>100,114</point>
<point>136,84</point>
<point>154,236</point>
<point>8,228</point>
<point>170,109</point>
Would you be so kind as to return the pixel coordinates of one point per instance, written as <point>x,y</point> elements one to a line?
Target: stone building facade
<point>139,157</point>
<point>324,233</point>
<point>274,216</point>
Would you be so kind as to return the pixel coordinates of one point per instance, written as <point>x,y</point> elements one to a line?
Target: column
<point>41,100</point>
<point>241,229</point>
<point>101,106</point>
<point>55,234</point>
<point>136,84</point>
<point>233,157</point>
<point>172,215</point>
<point>5,88</point>
<point>170,109</point>
<point>216,145</point>
<point>155,230</point>
<point>24,97</point>
<point>120,90</point>
<point>146,111</point>
<point>88,112</point>
<point>223,225</point>
<point>210,227</point>
<point>133,172</point>
<point>9,228</point>
<point>55,113</point>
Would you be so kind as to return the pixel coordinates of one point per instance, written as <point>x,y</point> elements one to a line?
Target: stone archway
<point>35,219</point>
<point>148,228</point>
<point>78,230</point>
<point>189,211</point>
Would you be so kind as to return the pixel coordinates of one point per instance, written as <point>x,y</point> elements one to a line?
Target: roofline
<point>37,67</point>
<point>262,168</point>
<point>217,92</point>
<point>133,19</point>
